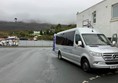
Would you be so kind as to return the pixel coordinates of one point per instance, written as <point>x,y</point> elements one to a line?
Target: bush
<point>45,37</point>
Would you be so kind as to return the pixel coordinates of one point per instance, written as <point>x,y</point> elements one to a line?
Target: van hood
<point>103,49</point>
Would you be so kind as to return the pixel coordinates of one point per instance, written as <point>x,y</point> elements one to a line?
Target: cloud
<point>52,11</point>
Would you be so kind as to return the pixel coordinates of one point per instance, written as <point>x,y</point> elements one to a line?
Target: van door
<point>78,50</point>
<point>68,44</point>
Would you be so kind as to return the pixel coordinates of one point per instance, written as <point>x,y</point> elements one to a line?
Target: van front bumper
<point>105,66</point>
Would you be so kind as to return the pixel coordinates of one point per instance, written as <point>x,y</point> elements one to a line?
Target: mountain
<point>23,26</point>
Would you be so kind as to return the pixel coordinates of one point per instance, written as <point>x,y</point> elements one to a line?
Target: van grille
<point>110,63</point>
<point>110,56</point>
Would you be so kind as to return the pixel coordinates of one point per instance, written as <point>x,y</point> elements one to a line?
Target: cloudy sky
<point>51,11</point>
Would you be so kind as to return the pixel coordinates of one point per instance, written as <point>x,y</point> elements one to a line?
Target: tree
<point>41,33</point>
<point>58,26</point>
<point>30,32</point>
<point>52,27</point>
<point>15,19</point>
<point>47,32</point>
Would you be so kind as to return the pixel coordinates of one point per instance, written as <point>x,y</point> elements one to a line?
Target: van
<point>87,48</point>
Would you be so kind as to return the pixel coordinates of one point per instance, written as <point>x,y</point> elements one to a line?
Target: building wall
<point>104,21</point>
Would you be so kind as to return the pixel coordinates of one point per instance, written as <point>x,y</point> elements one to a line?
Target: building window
<point>115,10</point>
<point>94,16</point>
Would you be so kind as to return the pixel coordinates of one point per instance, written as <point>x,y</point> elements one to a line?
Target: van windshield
<point>95,39</point>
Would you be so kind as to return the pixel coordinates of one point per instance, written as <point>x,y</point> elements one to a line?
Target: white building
<point>103,16</point>
<point>36,33</point>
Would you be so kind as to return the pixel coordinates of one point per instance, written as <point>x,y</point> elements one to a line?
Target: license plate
<point>114,67</point>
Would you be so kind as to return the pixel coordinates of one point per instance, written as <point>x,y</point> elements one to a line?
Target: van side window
<point>66,39</point>
<point>77,38</point>
<point>59,40</point>
<point>70,38</point>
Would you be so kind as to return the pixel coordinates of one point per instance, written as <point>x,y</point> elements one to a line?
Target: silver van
<point>87,48</point>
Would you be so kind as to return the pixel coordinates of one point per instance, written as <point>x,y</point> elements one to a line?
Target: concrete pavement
<point>40,65</point>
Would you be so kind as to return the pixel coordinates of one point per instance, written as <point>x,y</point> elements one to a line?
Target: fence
<point>35,43</point>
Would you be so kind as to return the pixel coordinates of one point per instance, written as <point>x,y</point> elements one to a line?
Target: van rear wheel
<point>59,56</point>
<point>85,65</point>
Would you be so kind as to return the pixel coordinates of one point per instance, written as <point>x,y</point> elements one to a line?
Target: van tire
<point>85,65</point>
<point>59,55</point>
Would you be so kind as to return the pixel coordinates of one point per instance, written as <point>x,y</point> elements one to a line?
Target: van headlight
<point>96,54</point>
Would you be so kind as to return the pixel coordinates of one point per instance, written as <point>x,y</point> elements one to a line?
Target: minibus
<point>87,48</point>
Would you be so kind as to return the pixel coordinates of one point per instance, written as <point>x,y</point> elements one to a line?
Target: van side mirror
<point>113,43</point>
<point>79,43</point>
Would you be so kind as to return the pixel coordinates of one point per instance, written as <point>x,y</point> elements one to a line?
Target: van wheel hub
<point>85,65</point>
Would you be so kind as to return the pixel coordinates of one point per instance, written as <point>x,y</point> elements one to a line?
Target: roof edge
<point>91,7</point>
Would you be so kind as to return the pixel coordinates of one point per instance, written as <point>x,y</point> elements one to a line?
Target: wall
<point>41,43</point>
<point>104,22</point>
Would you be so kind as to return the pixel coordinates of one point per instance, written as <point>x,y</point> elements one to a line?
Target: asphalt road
<point>40,65</point>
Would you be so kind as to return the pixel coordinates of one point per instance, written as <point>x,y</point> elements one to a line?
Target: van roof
<point>88,31</point>
<point>84,30</point>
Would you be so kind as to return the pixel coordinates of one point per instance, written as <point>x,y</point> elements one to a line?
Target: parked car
<point>12,42</point>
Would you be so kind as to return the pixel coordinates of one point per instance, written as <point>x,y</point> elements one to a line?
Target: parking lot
<point>40,65</point>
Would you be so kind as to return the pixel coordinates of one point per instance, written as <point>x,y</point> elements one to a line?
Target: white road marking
<point>85,82</point>
<point>92,78</point>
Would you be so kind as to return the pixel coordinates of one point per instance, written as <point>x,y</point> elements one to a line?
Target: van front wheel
<point>85,65</point>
